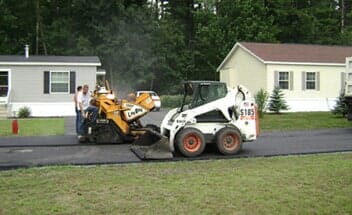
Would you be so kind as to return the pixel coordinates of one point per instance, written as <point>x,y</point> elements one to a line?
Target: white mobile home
<point>311,76</point>
<point>45,84</point>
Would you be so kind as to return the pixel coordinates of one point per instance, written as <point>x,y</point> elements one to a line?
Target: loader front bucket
<point>152,146</point>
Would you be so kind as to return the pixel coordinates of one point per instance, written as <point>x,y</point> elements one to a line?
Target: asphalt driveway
<point>65,150</point>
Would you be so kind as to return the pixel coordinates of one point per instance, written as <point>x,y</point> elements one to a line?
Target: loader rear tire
<point>190,142</point>
<point>229,141</point>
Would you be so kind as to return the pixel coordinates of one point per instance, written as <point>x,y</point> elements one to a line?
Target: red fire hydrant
<point>14,126</point>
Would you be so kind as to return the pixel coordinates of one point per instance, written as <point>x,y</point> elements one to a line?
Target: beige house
<point>311,76</point>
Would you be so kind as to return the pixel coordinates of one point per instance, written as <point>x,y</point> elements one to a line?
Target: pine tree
<point>277,101</point>
<point>340,107</point>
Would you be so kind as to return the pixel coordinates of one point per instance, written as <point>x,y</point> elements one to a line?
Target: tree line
<point>157,44</point>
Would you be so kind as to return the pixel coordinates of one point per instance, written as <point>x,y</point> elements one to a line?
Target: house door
<point>4,83</point>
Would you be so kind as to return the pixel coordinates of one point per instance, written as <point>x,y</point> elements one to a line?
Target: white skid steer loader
<point>210,113</point>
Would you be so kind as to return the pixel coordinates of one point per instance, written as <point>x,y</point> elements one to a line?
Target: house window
<point>59,82</point>
<point>4,81</point>
<point>310,80</point>
<point>284,80</point>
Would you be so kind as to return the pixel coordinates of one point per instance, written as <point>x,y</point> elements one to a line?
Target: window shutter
<point>46,82</point>
<point>343,79</point>
<point>276,79</point>
<point>317,81</point>
<point>303,80</point>
<point>72,82</point>
<point>291,80</point>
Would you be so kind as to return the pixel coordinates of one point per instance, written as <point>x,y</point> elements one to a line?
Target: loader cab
<point>197,93</point>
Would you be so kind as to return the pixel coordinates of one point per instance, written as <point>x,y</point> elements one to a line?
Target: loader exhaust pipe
<point>152,146</point>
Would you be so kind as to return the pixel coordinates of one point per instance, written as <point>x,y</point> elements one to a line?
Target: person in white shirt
<point>79,89</point>
<point>84,107</point>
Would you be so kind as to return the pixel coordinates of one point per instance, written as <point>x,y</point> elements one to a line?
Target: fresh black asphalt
<point>18,152</point>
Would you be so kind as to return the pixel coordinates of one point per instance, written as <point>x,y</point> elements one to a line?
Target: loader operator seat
<point>202,92</point>
<point>209,93</point>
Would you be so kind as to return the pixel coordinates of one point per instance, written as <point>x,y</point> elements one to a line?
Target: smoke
<point>121,88</point>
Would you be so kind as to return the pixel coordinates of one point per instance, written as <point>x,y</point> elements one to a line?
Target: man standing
<point>75,99</point>
<point>84,107</point>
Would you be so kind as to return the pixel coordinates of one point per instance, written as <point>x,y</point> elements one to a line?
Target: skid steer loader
<point>210,113</point>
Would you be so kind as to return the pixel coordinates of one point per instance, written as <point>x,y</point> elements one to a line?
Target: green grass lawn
<point>314,184</point>
<point>270,122</point>
<point>34,127</point>
<point>302,121</point>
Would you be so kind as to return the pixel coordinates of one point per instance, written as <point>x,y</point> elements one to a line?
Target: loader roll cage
<point>197,93</point>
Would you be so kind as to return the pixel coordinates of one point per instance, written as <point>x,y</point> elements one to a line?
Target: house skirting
<point>310,104</point>
<point>68,109</point>
<point>44,109</point>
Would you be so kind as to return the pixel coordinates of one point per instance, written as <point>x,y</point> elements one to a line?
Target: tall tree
<point>156,44</point>
<point>226,22</point>
<point>179,15</point>
<point>16,26</point>
<point>306,21</point>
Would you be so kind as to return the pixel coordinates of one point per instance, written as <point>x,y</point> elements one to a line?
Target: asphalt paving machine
<point>118,121</point>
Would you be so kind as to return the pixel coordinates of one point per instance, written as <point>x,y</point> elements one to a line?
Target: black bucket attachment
<point>152,146</point>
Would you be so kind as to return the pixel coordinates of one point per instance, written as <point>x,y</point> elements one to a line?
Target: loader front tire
<point>190,142</point>
<point>229,141</point>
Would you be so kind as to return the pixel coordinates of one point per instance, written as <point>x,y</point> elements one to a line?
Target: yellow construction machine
<point>118,121</point>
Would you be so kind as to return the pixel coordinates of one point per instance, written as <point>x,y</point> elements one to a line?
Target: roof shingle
<point>49,59</point>
<point>299,52</point>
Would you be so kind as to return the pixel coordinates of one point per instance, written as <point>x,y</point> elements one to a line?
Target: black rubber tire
<point>190,142</point>
<point>229,141</point>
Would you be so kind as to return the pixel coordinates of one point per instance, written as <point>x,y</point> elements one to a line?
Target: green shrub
<point>24,112</point>
<point>277,101</point>
<point>171,101</point>
<point>340,107</point>
<point>261,97</point>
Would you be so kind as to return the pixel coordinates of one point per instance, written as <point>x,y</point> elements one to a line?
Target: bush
<point>261,97</point>
<point>24,112</point>
<point>171,101</point>
<point>340,107</point>
<point>277,101</point>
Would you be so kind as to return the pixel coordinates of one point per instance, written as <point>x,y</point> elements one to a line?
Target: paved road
<point>38,151</point>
